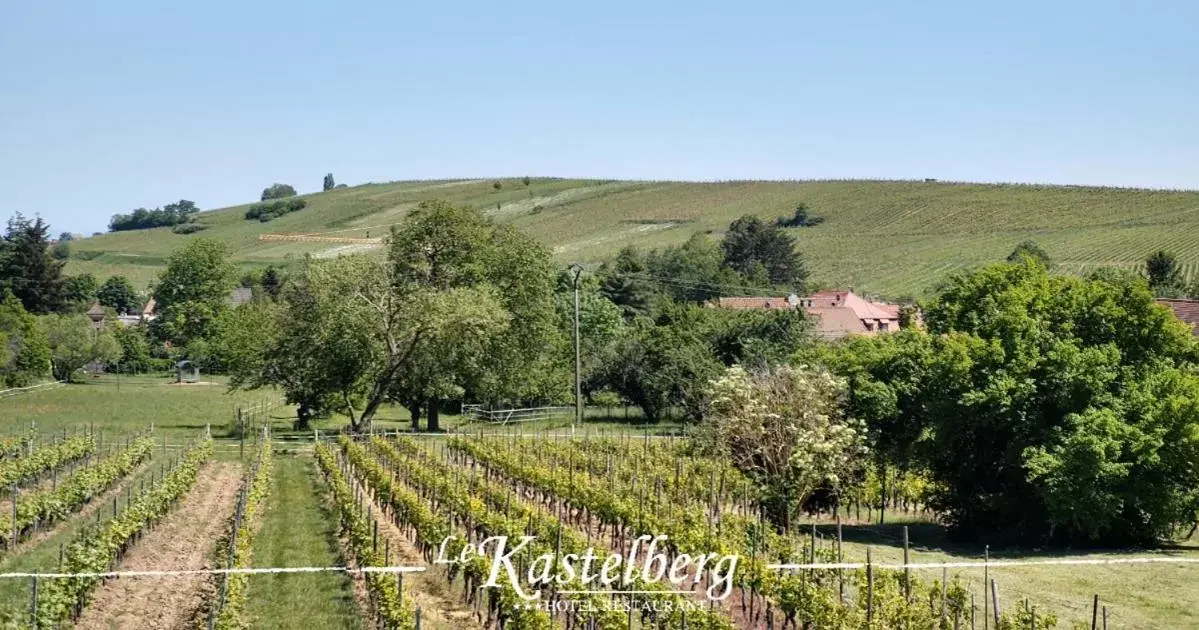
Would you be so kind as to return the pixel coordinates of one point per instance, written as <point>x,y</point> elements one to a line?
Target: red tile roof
<point>753,302</point>
<point>838,312</point>
<point>835,322</point>
<point>1186,310</point>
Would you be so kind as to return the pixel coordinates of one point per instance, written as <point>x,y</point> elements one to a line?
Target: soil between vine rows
<point>182,540</point>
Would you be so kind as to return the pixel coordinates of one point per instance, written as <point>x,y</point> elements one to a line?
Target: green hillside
<point>887,237</point>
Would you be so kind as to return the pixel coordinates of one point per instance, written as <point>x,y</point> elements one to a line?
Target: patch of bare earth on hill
<point>441,608</point>
<point>182,540</point>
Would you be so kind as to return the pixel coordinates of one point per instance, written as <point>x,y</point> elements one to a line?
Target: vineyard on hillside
<point>893,238</point>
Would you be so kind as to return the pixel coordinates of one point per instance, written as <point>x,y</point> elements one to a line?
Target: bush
<point>266,211</point>
<point>189,228</point>
<point>61,250</point>
<point>801,218</point>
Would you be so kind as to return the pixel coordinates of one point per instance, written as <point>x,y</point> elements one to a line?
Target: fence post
<point>1095,612</point>
<point>13,540</point>
<point>33,602</point>
<point>995,602</point>
<point>869,588</point>
<point>986,581</point>
<point>907,572</point>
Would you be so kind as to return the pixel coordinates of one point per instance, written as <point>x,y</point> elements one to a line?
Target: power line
<point>701,284</point>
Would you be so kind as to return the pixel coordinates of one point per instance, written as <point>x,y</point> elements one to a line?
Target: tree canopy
<point>1165,275</point>
<point>460,307</point>
<point>74,342</point>
<point>1043,407</point>
<point>27,267</point>
<point>118,293</point>
<point>757,249</point>
<point>785,427</point>
<point>178,213</point>
<point>192,291</point>
<point>24,351</point>
<point>1030,249</point>
<point>278,191</point>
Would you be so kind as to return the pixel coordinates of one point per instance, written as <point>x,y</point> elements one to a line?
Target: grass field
<point>1138,596</point>
<point>297,531</point>
<point>891,238</point>
<point>178,411</point>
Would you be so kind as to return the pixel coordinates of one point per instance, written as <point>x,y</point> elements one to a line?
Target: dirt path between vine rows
<point>442,608</point>
<point>182,540</point>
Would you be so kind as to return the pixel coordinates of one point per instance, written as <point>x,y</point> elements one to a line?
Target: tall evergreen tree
<point>755,248</point>
<point>1165,274</point>
<point>27,267</point>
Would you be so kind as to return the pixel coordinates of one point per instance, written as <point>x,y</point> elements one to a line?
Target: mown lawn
<point>126,404</point>
<point>298,531</point>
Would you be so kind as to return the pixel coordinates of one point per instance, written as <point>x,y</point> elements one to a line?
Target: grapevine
<point>228,611</point>
<point>383,587</point>
<point>48,506</point>
<point>22,469</point>
<point>97,550</point>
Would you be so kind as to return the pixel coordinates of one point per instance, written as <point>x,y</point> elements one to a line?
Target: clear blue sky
<point>105,107</point>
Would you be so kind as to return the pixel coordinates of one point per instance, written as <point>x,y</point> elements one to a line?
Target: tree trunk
<point>414,409</point>
<point>303,418</point>
<point>432,422</point>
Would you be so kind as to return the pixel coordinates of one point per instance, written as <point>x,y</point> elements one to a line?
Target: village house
<point>837,313</point>
<point>1186,310</point>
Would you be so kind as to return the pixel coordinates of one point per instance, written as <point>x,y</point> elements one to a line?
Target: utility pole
<point>578,269</point>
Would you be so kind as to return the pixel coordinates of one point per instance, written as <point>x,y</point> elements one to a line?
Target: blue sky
<point>109,106</point>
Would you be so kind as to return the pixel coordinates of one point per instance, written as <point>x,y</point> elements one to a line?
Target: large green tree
<point>117,293</point>
<point>24,351</point>
<point>75,342</point>
<point>1044,408</point>
<point>460,307</point>
<point>1165,274</point>
<point>79,292</point>
<point>193,291</point>
<point>450,251</point>
<point>27,267</point>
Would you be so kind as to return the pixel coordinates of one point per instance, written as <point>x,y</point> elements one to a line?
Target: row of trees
<point>178,213</point>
